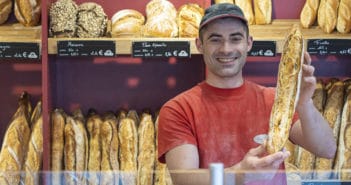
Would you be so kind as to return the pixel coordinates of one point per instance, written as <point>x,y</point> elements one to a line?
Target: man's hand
<point>308,82</point>
<point>257,165</point>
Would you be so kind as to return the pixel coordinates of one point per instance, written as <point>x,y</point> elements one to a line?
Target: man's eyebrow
<point>214,35</point>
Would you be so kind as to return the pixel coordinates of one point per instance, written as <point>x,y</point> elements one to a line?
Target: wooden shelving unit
<point>272,32</point>
<point>16,32</point>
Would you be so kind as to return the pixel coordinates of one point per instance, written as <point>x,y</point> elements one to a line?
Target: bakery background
<point>109,84</point>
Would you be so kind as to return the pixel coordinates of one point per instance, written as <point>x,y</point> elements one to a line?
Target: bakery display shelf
<point>123,45</point>
<point>272,32</point>
<point>16,32</point>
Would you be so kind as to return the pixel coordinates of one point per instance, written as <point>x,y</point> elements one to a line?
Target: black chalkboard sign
<point>86,48</point>
<point>180,49</point>
<point>263,48</point>
<point>329,46</point>
<point>19,50</point>
<point>326,182</point>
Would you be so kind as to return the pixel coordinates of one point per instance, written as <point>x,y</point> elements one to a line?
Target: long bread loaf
<point>287,91</point>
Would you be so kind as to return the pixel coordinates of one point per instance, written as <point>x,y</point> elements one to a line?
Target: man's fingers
<point>307,58</point>
<point>258,150</point>
<point>273,160</point>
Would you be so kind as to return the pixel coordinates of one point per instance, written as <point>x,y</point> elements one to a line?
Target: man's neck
<point>225,83</point>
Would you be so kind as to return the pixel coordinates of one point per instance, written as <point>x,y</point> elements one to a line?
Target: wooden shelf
<point>16,32</point>
<point>272,32</point>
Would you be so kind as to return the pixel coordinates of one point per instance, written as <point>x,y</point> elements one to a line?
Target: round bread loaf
<point>189,18</point>
<point>91,20</point>
<point>127,23</point>
<point>5,10</point>
<point>63,16</point>
<point>28,12</point>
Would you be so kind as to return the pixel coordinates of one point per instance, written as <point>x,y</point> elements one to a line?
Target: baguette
<point>263,11</point>
<point>33,162</point>
<point>5,10</point>
<point>58,121</point>
<point>342,164</point>
<point>82,146</point>
<point>246,6</point>
<point>309,12</point>
<point>327,15</point>
<point>15,143</point>
<point>28,12</point>
<point>332,113</point>
<point>94,164</point>
<point>109,150</point>
<point>128,151</point>
<point>343,24</point>
<point>287,91</point>
<point>69,152</point>
<point>146,154</point>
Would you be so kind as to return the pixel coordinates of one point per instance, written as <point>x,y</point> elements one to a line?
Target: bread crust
<point>309,12</point>
<point>5,10</point>
<point>263,11</point>
<point>28,12</point>
<point>287,91</point>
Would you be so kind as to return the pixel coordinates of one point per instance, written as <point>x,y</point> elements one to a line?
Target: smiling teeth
<point>225,59</point>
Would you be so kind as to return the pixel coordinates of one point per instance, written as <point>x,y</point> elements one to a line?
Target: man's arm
<point>312,132</point>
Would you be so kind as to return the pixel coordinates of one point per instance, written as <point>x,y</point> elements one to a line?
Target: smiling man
<point>216,120</point>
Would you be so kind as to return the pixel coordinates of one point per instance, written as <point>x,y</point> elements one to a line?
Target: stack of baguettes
<point>22,147</point>
<point>127,23</point>
<point>330,14</point>
<point>189,18</point>
<point>105,149</point>
<point>161,19</point>
<point>258,12</point>
<point>332,113</point>
<point>342,162</point>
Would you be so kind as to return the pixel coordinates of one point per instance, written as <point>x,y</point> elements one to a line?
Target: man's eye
<point>236,39</point>
<point>215,40</point>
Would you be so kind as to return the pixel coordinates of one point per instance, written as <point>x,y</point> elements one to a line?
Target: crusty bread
<point>332,113</point>
<point>246,6</point>
<point>33,162</point>
<point>127,23</point>
<point>58,121</point>
<point>15,143</point>
<point>287,91</point>
<point>309,12</point>
<point>343,24</point>
<point>82,147</point>
<point>224,1</point>
<point>28,12</point>
<point>69,152</point>
<point>189,18</point>
<point>147,150</point>
<point>263,11</point>
<point>109,150</point>
<point>128,150</point>
<point>63,17</point>
<point>161,19</point>
<point>5,10</point>
<point>342,164</point>
<point>327,15</point>
<point>91,20</point>
<point>94,123</point>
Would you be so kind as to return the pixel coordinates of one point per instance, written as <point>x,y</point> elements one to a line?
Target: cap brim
<point>222,16</point>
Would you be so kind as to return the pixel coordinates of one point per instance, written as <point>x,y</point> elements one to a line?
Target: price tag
<point>19,50</point>
<point>263,48</point>
<point>86,48</point>
<point>329,46</point>
<point>145,49</point>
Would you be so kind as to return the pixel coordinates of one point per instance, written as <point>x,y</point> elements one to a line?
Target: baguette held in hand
<point>287,91</point>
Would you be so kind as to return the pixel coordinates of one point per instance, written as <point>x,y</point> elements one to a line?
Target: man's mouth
<point>227,60</point>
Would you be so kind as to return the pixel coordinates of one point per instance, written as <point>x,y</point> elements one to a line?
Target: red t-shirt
<point>220,122</point>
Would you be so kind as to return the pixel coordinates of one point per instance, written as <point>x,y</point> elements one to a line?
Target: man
<point>216,120</point>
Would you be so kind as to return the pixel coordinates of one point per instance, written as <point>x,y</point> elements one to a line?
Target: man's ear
<point>249,43</point>
<point>198,43</point>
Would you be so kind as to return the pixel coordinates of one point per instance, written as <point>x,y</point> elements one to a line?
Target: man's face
<point>224,45</point>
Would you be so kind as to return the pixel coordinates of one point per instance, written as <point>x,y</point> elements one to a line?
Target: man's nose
<point>226,47</point>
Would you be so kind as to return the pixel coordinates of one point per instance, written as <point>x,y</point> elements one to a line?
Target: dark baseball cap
<point>222,10</point>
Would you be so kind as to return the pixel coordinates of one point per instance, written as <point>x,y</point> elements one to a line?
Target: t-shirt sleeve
<point>174,128</point>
